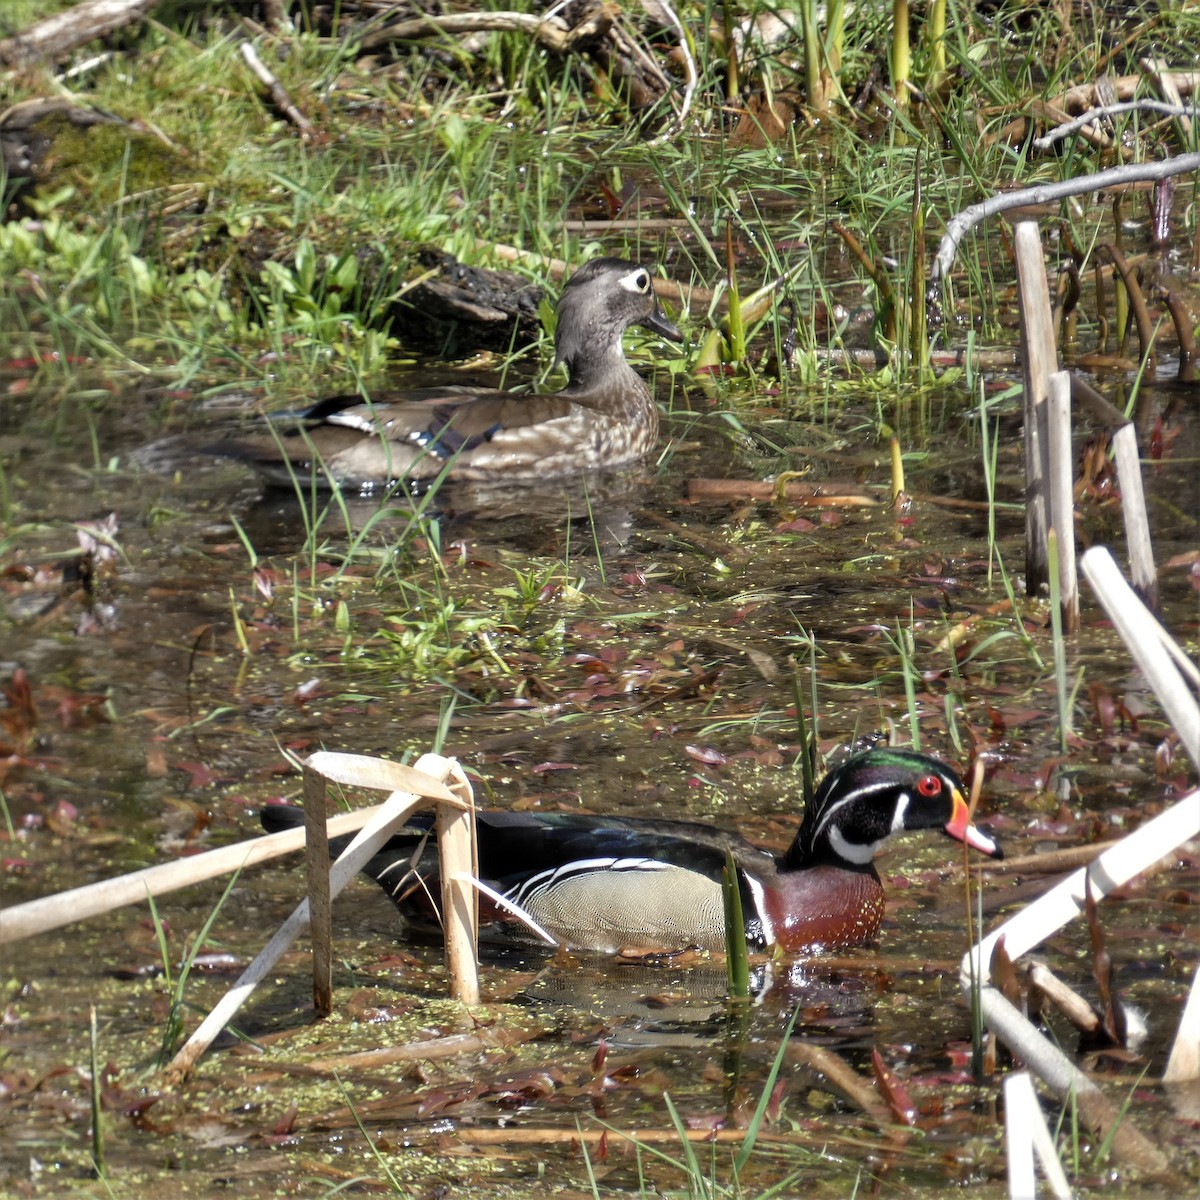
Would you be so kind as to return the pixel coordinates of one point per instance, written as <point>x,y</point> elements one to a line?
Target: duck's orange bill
<point>961,829</point>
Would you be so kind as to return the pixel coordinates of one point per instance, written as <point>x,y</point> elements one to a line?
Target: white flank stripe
<point>760,895</point>
<point>514,908</point>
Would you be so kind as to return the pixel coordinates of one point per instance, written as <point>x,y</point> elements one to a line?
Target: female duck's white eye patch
<point>636,281</point>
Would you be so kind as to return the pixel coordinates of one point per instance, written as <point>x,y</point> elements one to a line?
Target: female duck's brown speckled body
<point>604,417</point>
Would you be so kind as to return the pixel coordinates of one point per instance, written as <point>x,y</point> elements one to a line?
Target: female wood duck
<point>610,883</point>
<point>604,417</point>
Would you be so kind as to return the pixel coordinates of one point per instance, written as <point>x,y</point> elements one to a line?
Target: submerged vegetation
<point>196,234</point>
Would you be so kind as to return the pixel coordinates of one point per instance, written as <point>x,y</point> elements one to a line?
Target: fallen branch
<point>1103,111</point>
<point>551,32</point>
<point>1049,193</point>
<point>55,37</point>
<point>809,495</point>
<point>278,93</point>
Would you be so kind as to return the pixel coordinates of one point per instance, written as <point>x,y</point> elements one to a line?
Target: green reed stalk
<point>97,1118</point>
<point>737,963</point>
<point>901,56</point>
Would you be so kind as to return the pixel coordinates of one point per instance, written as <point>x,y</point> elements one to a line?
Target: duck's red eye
<point>929,785</point>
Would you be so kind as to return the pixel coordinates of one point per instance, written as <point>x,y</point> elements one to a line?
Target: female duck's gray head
<point>599,302</point>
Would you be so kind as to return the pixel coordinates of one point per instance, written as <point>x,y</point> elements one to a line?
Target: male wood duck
<point>605,884</point>
<point>604,417</point>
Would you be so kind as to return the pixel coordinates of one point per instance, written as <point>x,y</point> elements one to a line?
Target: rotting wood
<point>841,1075</point>
<point>1096,1111</point>
<point>320,907</point>
<point>451,1046</point>
<point>552,32</point>
<point>55,37</point>
<point>811,495</point>
<point>1039,360</point>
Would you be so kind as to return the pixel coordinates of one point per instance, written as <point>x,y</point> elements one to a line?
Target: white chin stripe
<point>901,810</point>
<point>854,852</point>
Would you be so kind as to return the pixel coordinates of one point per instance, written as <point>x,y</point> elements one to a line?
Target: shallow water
<point>643,659</point>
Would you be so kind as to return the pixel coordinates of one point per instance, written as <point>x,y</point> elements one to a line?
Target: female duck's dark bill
<point>961,829</point>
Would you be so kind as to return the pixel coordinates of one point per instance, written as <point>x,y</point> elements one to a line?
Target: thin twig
<point>1059,132</point>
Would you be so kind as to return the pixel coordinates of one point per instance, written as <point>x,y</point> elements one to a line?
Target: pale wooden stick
<point>1184,1064</point>
<point>460,911</point>
<point>1039,359</point>
<point>1026,1134</point>
<point>279,94</point>
<point>1133,510</point>
<point>361,770</point>
<point>1142,634</point>
<point>1062,494</point>
<point>1049,913</point>
<point>1068,1001</point>
<point>95,899</point>
<point>1133,498</point>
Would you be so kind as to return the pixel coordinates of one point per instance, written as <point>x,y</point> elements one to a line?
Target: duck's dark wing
<point>515,848</point>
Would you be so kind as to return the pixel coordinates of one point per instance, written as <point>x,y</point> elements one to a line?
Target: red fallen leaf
<point>76,710</point>
<point>799,525</point>
<point>546,767</point>
<point>199,774</point>
<point>598,1059</point>
<point>18,386</point>
<point>775,1104</point>
<point>601,1151</point>
<point>20,717</point>
<point>286,1123</point>
<point>706,755</point>
<point>893,1090</point>
<point>1156,439</point>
